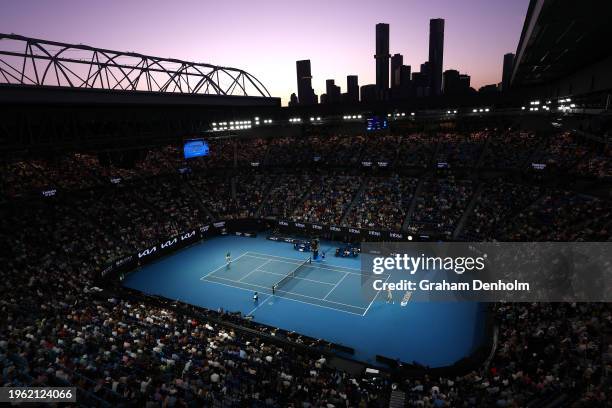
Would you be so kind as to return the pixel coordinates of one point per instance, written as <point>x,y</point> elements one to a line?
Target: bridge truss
<point>34,62</point>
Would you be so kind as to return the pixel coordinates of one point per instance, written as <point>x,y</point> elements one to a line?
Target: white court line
<point>368,308</point>
<point>332,268</point>
<point>295,277</point>
<point>258,306</point>
<point>225,264</point>
<point>291,293</point>
<point>286,298</point>
<point>239,280</point>
<point>335,286</point>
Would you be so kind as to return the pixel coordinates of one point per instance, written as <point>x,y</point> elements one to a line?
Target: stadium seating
<point>123,352</point>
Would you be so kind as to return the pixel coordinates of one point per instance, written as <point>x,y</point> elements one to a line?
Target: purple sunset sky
<point>266,37</point>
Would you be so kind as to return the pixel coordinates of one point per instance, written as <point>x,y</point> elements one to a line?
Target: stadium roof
<point>560,37</point>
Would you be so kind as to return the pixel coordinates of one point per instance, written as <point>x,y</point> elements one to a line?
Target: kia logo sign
<point>147,252</point>
<point>187,235</point>
<point>219,224</point>
<point>169,243</point>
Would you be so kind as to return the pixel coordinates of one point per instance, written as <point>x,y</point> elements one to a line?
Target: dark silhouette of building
<point>369,93</point>
<point>425,69</point>
<point>405,83</point>
<point>436,54</point>
<point>293,100</point>
<point>306,95</point>
<point>507,71</point>
<point>452,83</point>
<point>421,81</point>
<point>405,73</point>
<point>382,59</point>
<point>397,60</point>
<point>465,81</point>
<point>352,88</point>
<point>332,92</point>
<point>456,83</point>
<point>488,89</point>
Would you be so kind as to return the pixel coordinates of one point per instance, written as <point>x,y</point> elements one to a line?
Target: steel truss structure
<point>35,62</point>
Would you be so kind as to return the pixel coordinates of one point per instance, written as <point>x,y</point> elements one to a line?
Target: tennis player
<point>228,258</point>
<point>389,296</point>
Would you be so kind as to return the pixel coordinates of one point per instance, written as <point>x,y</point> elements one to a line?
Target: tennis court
<point>326,299</point>
<point>332,287</point>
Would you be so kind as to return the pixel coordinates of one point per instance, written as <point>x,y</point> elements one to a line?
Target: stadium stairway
<point>196,198</point>
<point>468,211</point>
<point>397,399</point>
<point>356,199</point>
<point>413,203</point>
<point>266,195</point>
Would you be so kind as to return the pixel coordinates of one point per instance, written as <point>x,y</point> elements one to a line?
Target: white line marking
<point>225,264</point>
<point>259,305</point>
<point>286,291</point>
<point>293,300</point>
<point>254,270</point>
<point>295,277</point>
<point>335,286</point>
<point>333,268</point>
<point>375,296</point>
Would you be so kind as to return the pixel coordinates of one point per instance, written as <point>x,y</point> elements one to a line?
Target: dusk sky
<point>265,38</point>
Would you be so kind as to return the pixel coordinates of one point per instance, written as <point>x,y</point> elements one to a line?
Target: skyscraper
<point>332,91</point>
<point>382,58</point>
<point>352,88</point>
<point>397,60</point>
<point>436,54</point>
<point>507,72</point>
<point>306,95</point>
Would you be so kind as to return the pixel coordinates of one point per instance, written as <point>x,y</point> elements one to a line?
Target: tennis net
<point>290,275</point>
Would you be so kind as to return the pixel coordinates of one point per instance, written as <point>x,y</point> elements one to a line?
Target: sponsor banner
<point>107,270</point>
<point>245,234</point>
<point>170,244</point>
<point>123,261</point>
<point>488,271</point>
<point>375,235</point>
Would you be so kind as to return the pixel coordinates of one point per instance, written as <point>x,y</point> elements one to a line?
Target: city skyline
<point>267,38</point>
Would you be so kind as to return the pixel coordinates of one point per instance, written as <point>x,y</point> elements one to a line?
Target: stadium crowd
<point>58,327</point>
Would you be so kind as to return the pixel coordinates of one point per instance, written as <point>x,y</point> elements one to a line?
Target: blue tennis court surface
<point>323,299</point>
<point>333,287</point>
